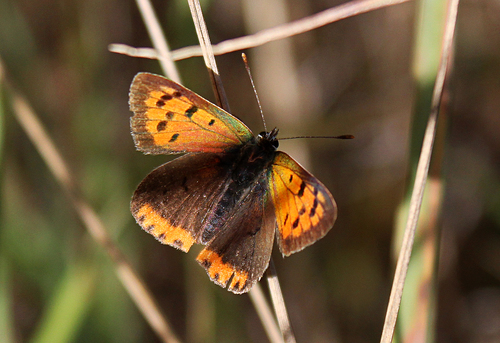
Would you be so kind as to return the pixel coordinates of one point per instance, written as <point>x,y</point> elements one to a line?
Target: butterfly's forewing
<point>239,254</point>
<point>172,201</point>
<point>305,209</point>
<point>169,118</point>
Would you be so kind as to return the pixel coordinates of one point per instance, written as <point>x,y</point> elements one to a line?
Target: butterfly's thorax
<point>248,166</point>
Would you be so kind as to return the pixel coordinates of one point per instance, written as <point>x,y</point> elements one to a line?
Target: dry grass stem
<point>209,58</point>
<point>125,49</point>
<point>265,36</point>
<point>56,164</point>
<point>265,314</point>
<point>420,179</point>
<point>158,39</point>
<point>279,304</point>
<point>208,54</point>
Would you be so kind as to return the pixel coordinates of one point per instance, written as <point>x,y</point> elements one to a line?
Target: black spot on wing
<point>313,208</point>
<point>161,126</point>
<point>184,180</point>
<point>211,122</point>
<point>174,137</point>
<point>206,264</point>
<point>166,97</point>
<point>178,243</point>
<point>302,188</point>
<point>286,219</point>
<point>254,231</point>
<point>295,223</point>
<point>160,103</point>
<point>169,115</point>
<point>177,94</point>
<point>190,111</point>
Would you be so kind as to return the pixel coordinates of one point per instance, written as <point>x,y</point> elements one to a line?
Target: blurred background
<point>355,76</point>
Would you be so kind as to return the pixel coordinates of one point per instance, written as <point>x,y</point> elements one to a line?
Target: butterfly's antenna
<point>336,137</point>
<point>254,90</point>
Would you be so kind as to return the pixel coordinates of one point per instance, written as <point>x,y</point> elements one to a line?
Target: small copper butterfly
<point>231,191</point>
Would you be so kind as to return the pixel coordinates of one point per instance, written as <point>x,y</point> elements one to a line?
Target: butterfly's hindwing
<point>239,254</point>
<point>172,202</point>
<point>305,209</point>
<point>169,118</point>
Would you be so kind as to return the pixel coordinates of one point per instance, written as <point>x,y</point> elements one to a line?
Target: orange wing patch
<point>305,209</point>
<point>163,231</point>
<point>169,118</point>
<point>222,273</point>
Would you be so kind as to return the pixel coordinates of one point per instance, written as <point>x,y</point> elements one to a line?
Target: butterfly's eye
<point>268,139</point>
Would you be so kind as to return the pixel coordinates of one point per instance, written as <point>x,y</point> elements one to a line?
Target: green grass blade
<point>68,307</point>
<point>6,325</point>
<point>418,311</point>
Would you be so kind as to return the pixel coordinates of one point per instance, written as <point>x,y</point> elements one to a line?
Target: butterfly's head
<point>268,140</point>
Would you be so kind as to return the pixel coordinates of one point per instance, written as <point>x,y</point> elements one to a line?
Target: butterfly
<point>230,191</point>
